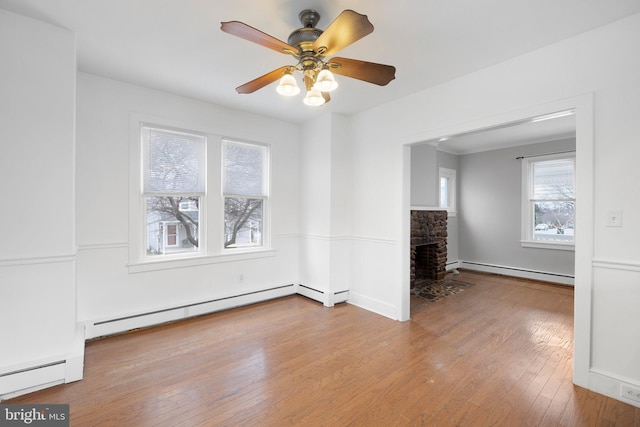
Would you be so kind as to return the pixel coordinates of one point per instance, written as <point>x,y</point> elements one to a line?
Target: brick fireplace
<point>428,245</point>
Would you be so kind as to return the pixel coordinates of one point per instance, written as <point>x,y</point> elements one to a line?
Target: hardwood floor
<point>499,353</point>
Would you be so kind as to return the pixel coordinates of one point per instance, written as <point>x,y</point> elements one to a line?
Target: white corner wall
<point>107,290</point>
<point>325,186</point>
<point>37,251</point>
<point>600,70</point>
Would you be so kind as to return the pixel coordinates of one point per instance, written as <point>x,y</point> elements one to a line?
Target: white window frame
<point>202,219</point>
<point>266,241</point>
<point>210,252</point>
<point>527,238</point>
<point>450,176</point>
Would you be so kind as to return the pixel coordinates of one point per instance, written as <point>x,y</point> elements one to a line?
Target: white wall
<point>325,188</point>
<point>37,250</point>
<point>603,62</point>
<point>106,287</point>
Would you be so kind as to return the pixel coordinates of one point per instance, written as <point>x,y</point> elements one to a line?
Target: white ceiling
<point>177,45</point>
<point>513,134</point>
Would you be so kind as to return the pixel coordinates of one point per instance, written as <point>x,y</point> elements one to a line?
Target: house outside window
<point>548,207</point>
<point>173,191</point>
<point>245,192</point>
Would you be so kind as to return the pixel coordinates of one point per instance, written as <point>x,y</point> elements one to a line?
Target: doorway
<point>583,108</point>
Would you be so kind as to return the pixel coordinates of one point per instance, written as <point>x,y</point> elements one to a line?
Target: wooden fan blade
<point>244,31</point>
<point>326,97</point>
<point>262,81</point>
<point>347,28</point>
<point>371,72</point>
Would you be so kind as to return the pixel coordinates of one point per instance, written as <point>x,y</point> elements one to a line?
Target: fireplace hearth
<point>428,245</point>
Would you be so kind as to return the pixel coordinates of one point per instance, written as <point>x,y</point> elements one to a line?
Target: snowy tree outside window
<point>245,192</point>
<point>173,188</point>
<point>549,205</point>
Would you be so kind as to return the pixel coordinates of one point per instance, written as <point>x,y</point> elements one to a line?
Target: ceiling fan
<point>311,46</point>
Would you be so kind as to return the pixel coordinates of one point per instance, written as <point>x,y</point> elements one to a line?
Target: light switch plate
<point>614,218</point>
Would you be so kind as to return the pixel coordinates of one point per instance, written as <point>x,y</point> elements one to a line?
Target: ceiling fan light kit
<point>314,98</point>
<point>311,47</point>
<point>288,85</point>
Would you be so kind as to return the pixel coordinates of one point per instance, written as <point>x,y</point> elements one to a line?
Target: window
<point>447,189</point>
<point>173,191</point>
<point>245,193</point>
<point>548,201</point>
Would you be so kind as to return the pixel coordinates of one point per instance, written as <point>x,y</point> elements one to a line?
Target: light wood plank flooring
<point>499,353</point>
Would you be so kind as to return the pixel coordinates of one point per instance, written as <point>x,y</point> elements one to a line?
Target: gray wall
<point>489,211</point>
<point>424,176</point>
<point>425,163</point>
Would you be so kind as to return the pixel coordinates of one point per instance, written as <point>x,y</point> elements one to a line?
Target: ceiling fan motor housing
<point>303,38</point>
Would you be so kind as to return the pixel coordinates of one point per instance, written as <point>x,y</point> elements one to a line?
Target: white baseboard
<point>545,276</point>
<point>373,305</point>
<point>609,385</point>
<point>454,265</point>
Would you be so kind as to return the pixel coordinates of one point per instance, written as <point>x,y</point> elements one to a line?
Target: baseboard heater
<point>39,374</point>
<point>156,317</point>
<point>31,379</point>
<point>327,298</point>
<point>564,279</point>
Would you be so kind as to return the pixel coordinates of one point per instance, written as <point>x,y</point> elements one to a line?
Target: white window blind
<point>553,180</point>
<point>244,169</point>
<point>174,162</point>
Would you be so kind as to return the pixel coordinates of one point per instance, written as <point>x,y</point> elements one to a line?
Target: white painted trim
<point>611,385</point>
<point>348,238</point>
<point>48,259</point>
<point>426,208</point>
<point>613,264</point>
<point>584,108</point>
<point>526,208</point>
<point>545,276</point>
<point>451,176</point>
<point>373,305</point>
<point>403,296</point>
<point>103,246</point>
<point>190,261</point>
<point>555,246</point>
<point>584,228</point>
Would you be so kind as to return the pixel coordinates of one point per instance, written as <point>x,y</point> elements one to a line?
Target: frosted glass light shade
<point>314,98</point>
<point>325,81</point>
<point>288,86</point>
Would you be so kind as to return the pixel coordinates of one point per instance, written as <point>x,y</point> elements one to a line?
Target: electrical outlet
<point>629,392</point>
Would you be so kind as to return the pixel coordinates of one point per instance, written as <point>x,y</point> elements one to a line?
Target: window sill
<point>193,261</point>
<point>547,245</point>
